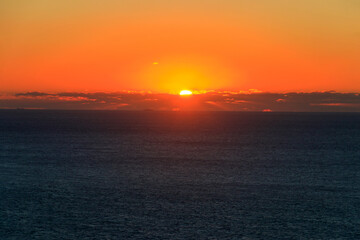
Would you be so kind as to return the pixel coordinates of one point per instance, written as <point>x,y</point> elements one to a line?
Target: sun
<point>185,92</point>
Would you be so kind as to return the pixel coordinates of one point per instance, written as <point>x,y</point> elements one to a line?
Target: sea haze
<point>179,175</point>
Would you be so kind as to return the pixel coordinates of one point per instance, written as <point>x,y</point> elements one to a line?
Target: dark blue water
<point>179,175</point>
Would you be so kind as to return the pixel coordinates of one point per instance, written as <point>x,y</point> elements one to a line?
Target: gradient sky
<point>112,45</point>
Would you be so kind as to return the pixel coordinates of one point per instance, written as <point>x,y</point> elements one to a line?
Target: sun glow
<point>185,93</point>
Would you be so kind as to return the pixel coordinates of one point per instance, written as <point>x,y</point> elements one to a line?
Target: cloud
<point>211,101</point>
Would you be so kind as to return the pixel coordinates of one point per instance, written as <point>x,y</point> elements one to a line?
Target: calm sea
<point>179,175</point>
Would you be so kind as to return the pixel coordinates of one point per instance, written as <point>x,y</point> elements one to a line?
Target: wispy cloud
<point>213,101</point>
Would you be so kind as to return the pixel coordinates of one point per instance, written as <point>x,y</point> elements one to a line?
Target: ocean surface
<point>179,175</point>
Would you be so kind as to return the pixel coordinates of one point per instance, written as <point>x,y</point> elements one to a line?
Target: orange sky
<point>88,45</point>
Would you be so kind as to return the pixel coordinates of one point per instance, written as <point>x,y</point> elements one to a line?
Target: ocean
<point>179,175</point>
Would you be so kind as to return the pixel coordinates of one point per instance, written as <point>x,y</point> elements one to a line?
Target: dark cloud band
<point>215,101</point>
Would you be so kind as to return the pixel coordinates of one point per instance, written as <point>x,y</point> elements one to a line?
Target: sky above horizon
<point>166,46</point>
